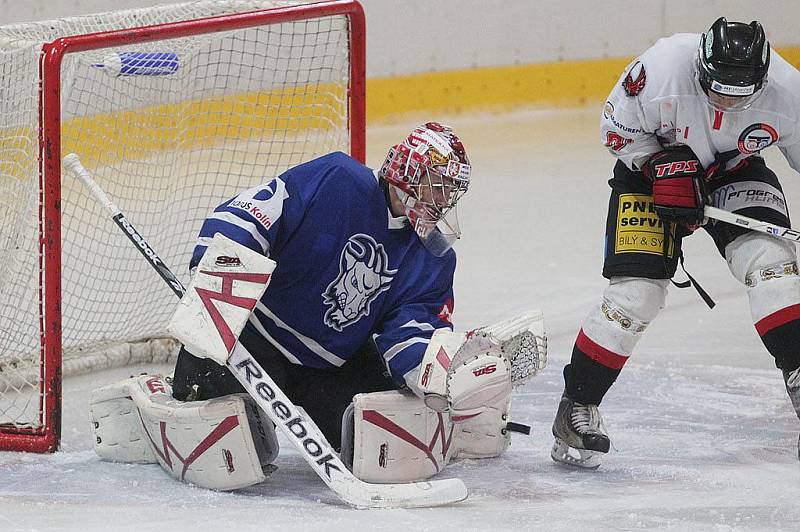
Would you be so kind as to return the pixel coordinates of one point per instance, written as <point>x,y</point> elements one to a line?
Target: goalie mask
<point>430,172</point>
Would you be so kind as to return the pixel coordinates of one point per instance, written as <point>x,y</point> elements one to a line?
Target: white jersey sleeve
<point>785,80</point>
<point>625,129</point>
<point>792,154</point>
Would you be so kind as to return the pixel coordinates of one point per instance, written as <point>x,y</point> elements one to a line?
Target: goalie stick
<point>292,421</point>
<point>787,233</point>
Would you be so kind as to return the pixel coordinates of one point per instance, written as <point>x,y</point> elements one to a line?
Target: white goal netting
<point>169,129</point>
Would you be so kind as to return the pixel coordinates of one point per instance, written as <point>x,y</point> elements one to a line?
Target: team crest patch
<point>635,80</point>
<point>757,137</point>
<point>639,229</point>
<point>363,274</point>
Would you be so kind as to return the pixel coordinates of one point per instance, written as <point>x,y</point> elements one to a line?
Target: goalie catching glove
<point>467,372</point>
<point>678,191</point>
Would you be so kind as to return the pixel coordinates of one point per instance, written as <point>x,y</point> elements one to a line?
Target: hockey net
<point>173,109</point>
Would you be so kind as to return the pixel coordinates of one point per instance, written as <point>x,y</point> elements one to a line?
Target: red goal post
<point>176,147</point>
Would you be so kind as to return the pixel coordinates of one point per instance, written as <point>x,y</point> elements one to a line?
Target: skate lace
<point>586,418</point>
<point>793,380</point>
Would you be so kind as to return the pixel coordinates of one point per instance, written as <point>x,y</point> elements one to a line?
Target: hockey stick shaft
<point>73,164</point>
<point>293,422</point>
<point>786,233</point>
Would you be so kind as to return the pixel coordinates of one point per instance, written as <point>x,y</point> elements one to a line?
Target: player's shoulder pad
<point>362,177</point>
<point>664,68</point>
<point>784,85</point>
<point>336,173</point>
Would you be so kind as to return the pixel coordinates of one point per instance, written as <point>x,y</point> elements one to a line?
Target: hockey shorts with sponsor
<point>639,244</point>
<point>750,189</point>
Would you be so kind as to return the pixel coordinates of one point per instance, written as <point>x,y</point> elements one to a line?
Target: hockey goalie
<point>339,282</point>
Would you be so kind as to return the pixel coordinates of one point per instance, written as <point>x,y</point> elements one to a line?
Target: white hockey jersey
<point>659,103</point>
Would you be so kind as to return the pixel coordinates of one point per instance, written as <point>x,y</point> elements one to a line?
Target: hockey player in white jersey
<point>687,122</point>
<point>359,300</point>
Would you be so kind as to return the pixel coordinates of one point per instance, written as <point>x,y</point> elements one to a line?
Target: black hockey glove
<point>678,191</point>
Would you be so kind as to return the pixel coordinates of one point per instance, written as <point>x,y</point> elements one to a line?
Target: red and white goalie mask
<point>430,172</point>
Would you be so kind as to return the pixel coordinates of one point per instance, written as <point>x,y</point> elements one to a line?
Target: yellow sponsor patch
<point>639,229</point>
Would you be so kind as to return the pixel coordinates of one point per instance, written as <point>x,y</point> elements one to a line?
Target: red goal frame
<point>46,438</point>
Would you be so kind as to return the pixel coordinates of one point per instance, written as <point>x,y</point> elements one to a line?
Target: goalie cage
<point>174,109</point>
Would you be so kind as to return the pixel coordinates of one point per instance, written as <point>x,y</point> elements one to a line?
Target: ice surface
<point>704,433</point>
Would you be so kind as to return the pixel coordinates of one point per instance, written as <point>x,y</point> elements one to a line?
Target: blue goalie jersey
<point>347,270</point>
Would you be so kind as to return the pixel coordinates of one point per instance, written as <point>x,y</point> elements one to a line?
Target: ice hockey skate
<point>792,381</point>
<point>580,438</point>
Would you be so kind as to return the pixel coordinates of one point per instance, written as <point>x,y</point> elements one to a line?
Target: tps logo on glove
<point>676,167</point>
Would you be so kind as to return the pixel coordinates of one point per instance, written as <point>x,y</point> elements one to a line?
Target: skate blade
<point>582,458</point>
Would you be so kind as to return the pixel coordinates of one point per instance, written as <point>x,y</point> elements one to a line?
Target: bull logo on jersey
<point>363,275</point>
<point>634,85</point>
<point>756,137</point>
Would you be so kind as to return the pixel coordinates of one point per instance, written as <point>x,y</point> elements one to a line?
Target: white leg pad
<point>478,384</point>
<point>485,435</point>
<point>396,438</point>
<point>220,444</point>
<point>767,266</point>
<point>117,429</point>
<point>629,305</point>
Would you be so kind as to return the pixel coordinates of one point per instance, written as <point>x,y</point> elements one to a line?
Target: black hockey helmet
<point>733,59</point>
